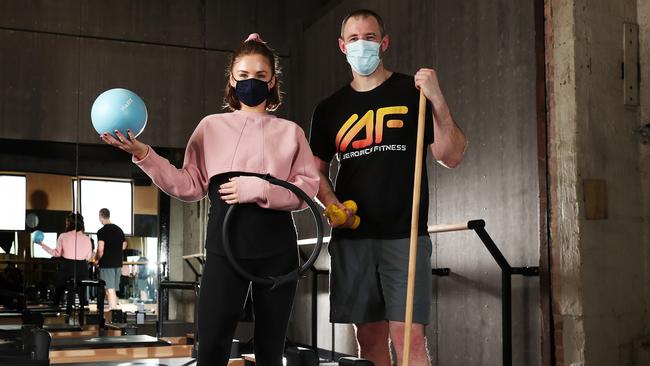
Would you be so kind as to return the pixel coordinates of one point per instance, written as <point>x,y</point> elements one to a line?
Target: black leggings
<point>221,302</point>
<point>66,272</point>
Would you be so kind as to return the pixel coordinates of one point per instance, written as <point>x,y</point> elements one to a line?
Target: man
<point>371,126</point>
<point>110,246</point>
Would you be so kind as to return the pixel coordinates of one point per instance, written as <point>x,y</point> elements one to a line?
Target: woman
<point>225,158</point>
<point>75,249</point>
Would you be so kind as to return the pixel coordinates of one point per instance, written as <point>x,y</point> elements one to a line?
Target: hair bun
<point>254,37</point>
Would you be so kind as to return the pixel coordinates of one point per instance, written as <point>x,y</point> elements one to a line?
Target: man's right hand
<point>349,220</point>
<point>327,197</point>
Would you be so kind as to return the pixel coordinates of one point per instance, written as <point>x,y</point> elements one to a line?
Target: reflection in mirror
<point>29,271</point>
<point>36,202</point>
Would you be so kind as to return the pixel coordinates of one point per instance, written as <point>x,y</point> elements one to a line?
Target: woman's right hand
<point>130,144</point>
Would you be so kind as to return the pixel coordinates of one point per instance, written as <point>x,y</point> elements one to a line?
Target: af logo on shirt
<point>373,123</point>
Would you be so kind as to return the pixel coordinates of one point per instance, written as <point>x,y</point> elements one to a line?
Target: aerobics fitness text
<point>371,150</point>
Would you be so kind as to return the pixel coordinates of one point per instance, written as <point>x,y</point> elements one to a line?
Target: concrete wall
<point>599,265</point>
<point>643,14</point>
<point>569,332</point>
<point>485,55</point>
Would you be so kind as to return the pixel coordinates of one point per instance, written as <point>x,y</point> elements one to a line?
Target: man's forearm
<point>325,194</point>
<point>450,142</point>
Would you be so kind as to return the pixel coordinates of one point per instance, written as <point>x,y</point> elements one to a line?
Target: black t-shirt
<point>373,135</point>
<point>113,237</point>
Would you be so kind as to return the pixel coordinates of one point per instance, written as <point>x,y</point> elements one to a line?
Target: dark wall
<point>484,52</point>
<point>58,56</point>
<point>488,52</point>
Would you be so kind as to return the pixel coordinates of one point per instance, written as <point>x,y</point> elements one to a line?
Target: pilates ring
<point>295,275</point>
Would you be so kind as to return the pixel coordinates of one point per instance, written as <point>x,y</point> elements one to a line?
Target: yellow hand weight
<point>335,214</point>
<point>338,217</point>
<point>351,205</point>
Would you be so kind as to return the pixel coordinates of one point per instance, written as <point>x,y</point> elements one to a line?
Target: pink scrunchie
<point>254,37</point>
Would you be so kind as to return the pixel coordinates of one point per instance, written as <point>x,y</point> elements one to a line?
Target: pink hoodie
<point>73,245</point>
<point>245,142</point>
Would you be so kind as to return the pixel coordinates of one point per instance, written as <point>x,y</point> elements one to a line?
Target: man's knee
<point>418,337</point>
<point>369,334</point>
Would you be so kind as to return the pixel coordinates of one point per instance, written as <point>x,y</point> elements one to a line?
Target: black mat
<point>63,327</point>
<point>107,342</point>
<point>14,313</point>
<point>40,308</point>
<point>181,361</point>
<point>14,330</point>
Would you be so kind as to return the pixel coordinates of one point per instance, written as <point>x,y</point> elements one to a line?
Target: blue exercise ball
<point>119,109</point>
<point>38,236</point>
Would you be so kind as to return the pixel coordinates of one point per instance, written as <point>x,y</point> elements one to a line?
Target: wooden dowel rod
<point>441,228</point>
<point>415,218</point>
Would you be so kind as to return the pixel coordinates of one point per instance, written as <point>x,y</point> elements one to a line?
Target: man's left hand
<point>427,81</point>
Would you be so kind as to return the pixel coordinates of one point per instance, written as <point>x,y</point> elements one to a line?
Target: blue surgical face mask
<point>363,56</point>
<point>252,92</point>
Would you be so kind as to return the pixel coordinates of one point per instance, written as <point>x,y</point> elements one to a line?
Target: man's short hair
<point>105,213</point>
<point>364,13</point>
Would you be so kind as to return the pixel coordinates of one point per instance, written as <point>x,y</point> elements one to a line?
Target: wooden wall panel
<point>65,54</point>
<point>168,79</point>
<point>214,81</point>
<point>167,22</point>
<point>148,21</point>
<point>38,91</point>
<point>45,91</point>
<point>61,16</point>
<point>228,23</point>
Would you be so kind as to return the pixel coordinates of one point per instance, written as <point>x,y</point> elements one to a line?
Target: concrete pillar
<point>599,262</point>
<point>563,113</point>
<point>643,14</point>
<point>175,251</point>
<point>184,238</point>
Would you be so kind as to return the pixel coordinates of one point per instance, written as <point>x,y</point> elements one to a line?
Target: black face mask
<point>252,92</point>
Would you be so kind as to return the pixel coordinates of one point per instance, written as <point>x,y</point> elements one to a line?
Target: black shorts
<point>368,279</point>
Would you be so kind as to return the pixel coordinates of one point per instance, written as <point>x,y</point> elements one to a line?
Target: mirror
<point>41,201</point>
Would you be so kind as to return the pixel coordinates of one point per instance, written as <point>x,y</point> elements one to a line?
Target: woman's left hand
<point>128,144</point>
<point>230,191</point>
